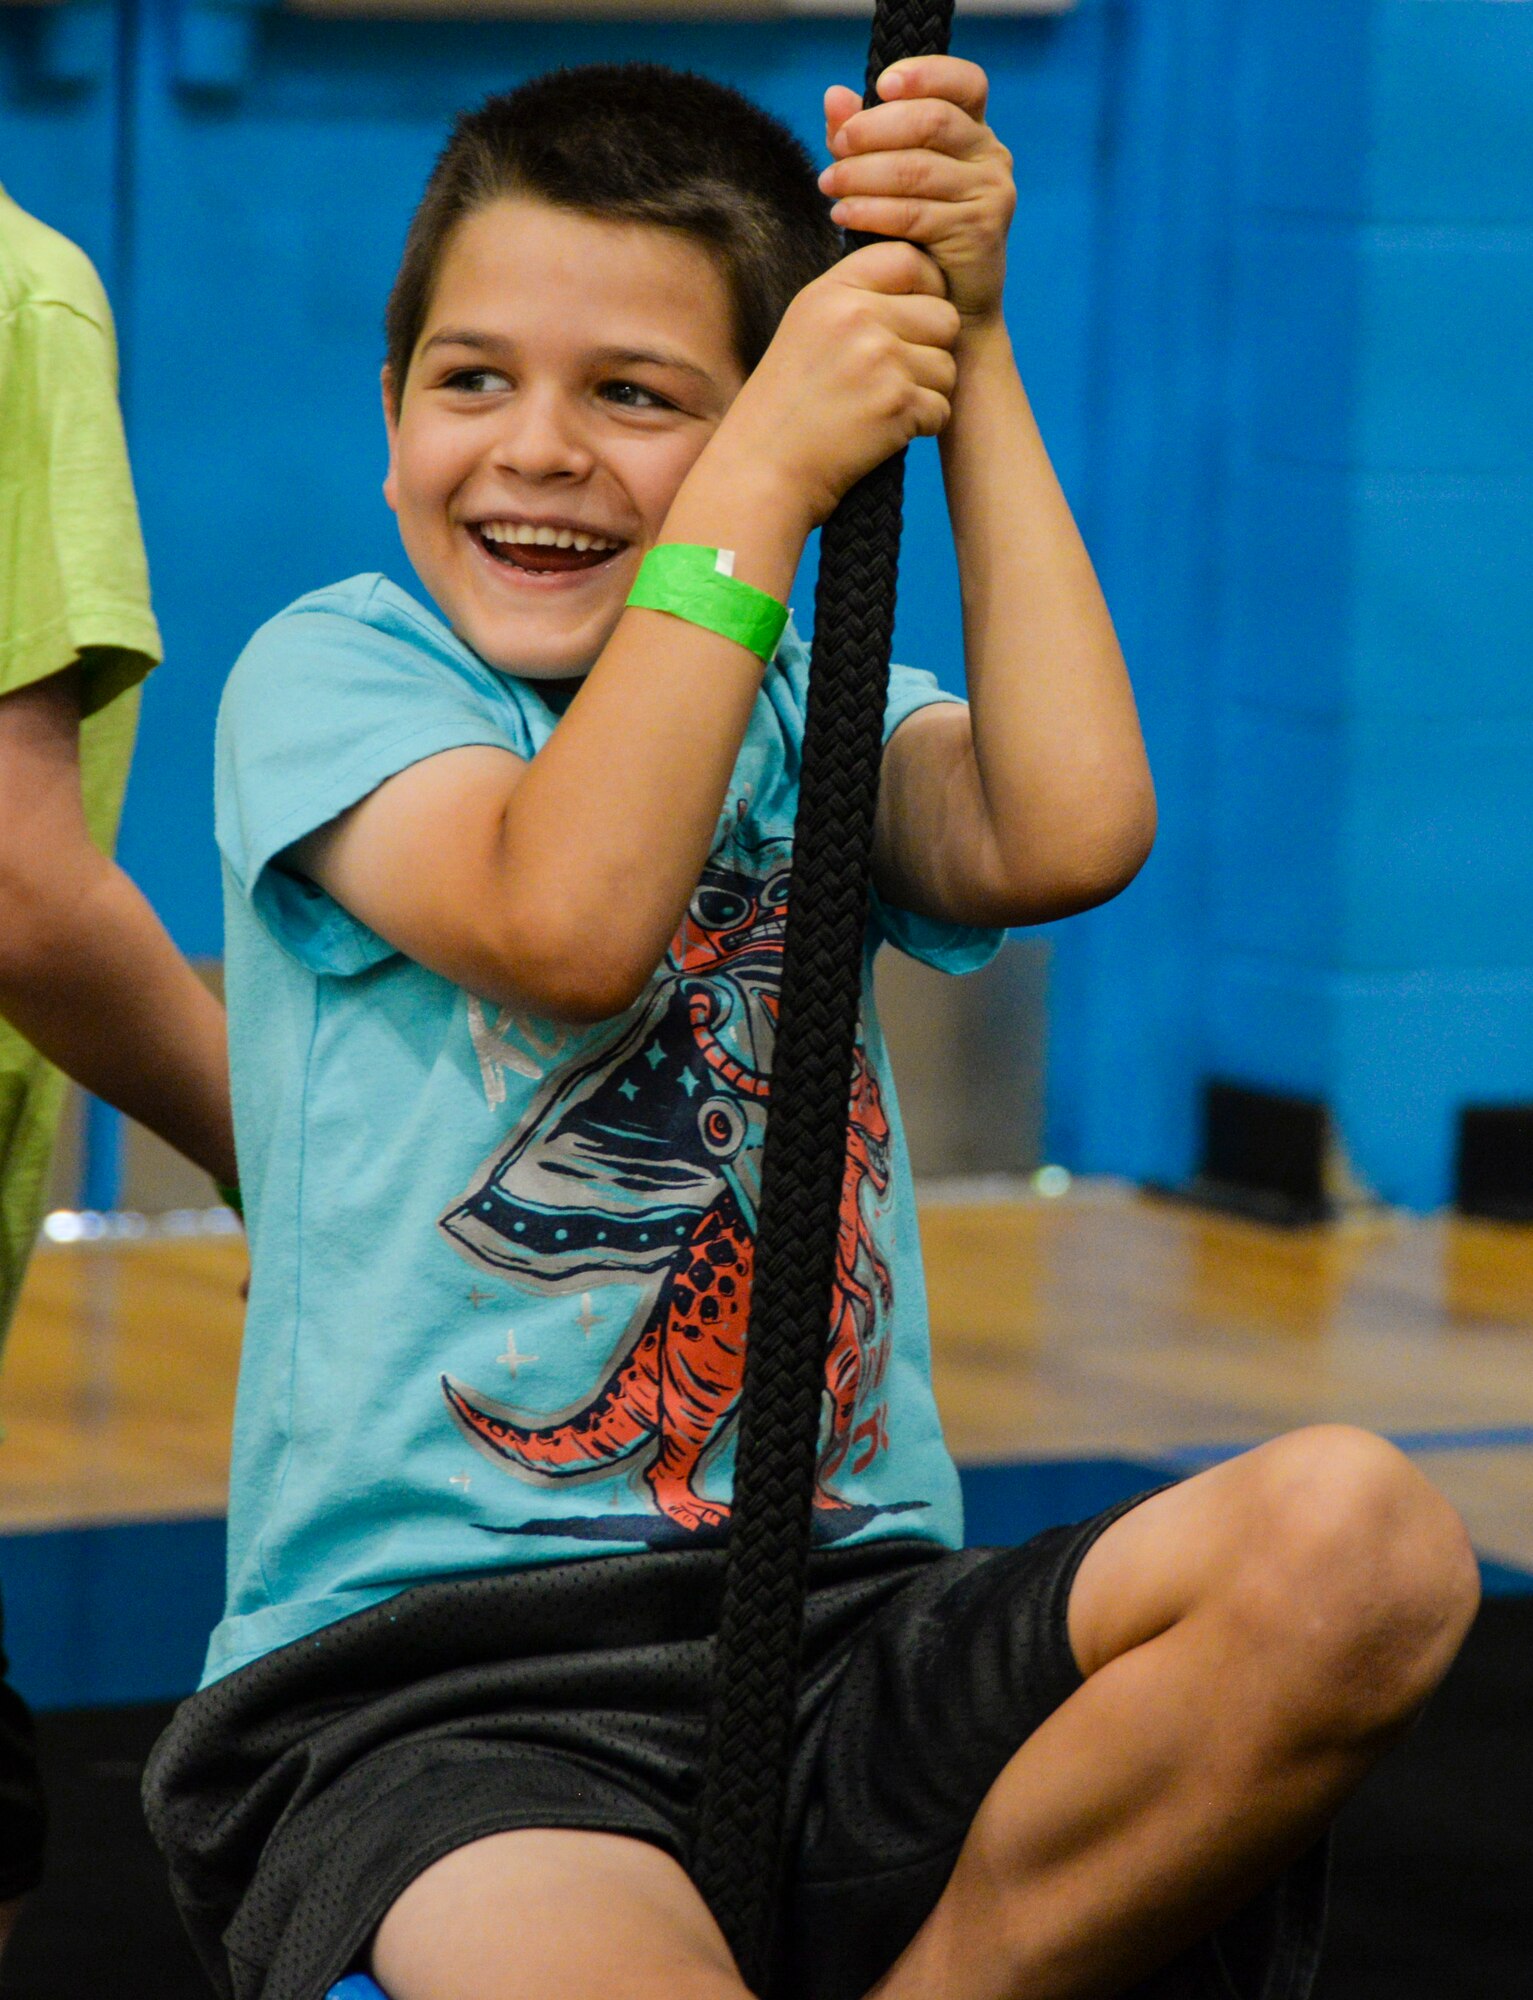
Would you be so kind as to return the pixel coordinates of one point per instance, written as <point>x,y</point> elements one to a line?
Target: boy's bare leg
<point>519,1916</point>
<point>1252,1640</point>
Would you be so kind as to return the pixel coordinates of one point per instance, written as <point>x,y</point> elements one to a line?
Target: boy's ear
<point>391,426</point>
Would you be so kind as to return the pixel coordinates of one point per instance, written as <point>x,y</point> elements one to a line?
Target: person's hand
<point>860,365</point>
<point>924,165</point>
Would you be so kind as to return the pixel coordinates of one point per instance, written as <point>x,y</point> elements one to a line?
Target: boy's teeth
<point>527,535</point>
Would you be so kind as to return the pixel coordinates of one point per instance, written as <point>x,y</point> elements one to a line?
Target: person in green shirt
<point>90,984</point>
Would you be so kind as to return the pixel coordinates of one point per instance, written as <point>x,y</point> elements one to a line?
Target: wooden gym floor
<point>1098,1324</point>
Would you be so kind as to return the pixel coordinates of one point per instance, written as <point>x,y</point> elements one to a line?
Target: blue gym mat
<point>100,1617</point>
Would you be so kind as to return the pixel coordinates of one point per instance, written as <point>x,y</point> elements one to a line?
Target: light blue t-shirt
<point>502,1264</point>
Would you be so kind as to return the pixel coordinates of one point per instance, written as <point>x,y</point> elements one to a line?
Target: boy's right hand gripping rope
<point>738,1851</point>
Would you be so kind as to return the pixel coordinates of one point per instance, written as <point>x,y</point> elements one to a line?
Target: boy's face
<point>569,372</point>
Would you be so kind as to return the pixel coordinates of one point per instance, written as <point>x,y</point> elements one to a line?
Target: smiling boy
<point>505,909</point>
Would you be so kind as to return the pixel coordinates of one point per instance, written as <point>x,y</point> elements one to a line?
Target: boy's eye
<point>633,396</point>
<point>475,381</point>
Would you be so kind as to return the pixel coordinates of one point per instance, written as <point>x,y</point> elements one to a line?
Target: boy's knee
<point>1357,1575</point>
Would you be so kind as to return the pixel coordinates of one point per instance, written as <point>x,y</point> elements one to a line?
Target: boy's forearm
<point>1059,757</point>
<point>102,992</point>
<point>614,818</point>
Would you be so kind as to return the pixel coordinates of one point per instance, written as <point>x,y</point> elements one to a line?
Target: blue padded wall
<point>268,219</point>
<point>1308,491</point>
<point>1372,886</point>
<point>1126,1043</point>
<point>59,128</point>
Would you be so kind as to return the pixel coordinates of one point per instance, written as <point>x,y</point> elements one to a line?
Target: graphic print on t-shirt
<point>639,1162</point>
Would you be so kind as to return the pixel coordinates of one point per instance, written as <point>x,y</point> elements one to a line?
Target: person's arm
<point>1036,800</point>
<point>558,884</point>
<point>87,971</point>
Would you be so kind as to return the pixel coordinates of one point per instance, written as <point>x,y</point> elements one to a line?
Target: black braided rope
<point>737,1860</point>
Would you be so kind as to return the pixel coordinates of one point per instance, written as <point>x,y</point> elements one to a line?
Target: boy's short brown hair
<point>631,142</point>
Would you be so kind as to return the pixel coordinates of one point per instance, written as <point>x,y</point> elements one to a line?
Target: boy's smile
<point>569,372</point>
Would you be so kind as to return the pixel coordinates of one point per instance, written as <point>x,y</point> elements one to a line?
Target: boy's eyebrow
<point>492,343</point>
<point>464,336</point>
<point>656,357</point>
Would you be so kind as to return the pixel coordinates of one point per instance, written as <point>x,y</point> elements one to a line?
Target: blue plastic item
<point>357,1987</point>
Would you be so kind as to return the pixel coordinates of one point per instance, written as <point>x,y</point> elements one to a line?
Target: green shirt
<point>74,586</point>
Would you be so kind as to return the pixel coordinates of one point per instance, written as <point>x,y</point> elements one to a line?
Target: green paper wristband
<point>230,1197</point>
<point>696,583</point>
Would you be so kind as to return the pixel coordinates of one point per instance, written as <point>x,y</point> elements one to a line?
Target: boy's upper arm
<point>928,834</point>
<point>357,699</point>
<point>417,860</point>
<point>920,817</point>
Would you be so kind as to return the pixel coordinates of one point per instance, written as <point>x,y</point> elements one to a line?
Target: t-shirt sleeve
<point>74,584</point>
<point>949,947</point>
<point>321,708</point>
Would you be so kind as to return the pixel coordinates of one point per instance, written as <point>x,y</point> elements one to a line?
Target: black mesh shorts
<point>23,1816</point>
<point>298,1798</point>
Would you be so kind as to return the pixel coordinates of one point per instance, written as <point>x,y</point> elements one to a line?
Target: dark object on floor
<point>1430,1898</point>
<point>1265,1156</point>
<point>1495,1162</point>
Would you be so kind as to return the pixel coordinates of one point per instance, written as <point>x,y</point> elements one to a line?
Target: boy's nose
<point>541,439</point>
